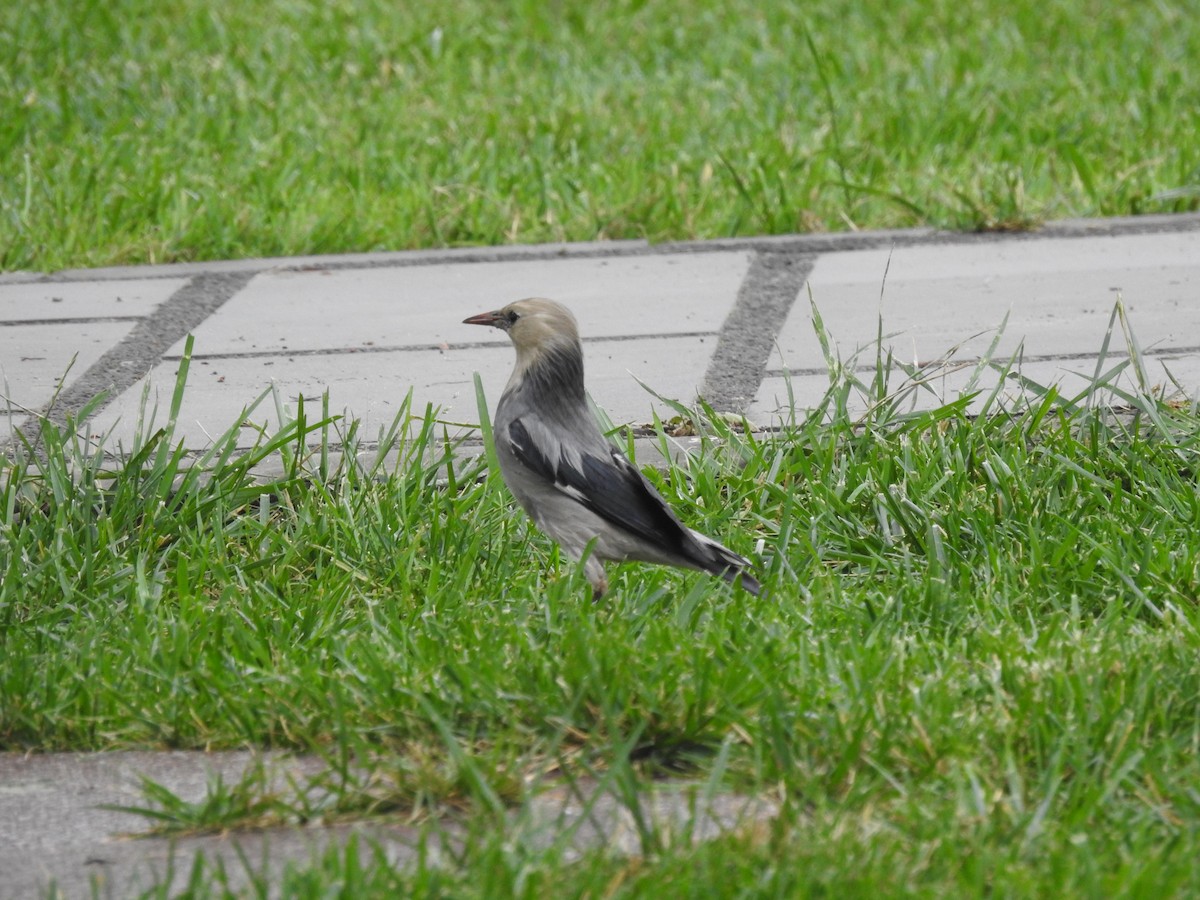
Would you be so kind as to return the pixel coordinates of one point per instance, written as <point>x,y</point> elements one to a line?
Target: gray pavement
<point>61,836</point>
<point>727,320</point>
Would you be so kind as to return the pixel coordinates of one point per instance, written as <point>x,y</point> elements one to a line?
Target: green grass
<point>974,670</point>
<point>141,132</point>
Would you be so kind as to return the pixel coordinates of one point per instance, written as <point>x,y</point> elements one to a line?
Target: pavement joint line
<point>834,242</point>
<point>73,320</point>
<point>965,362</point>
<point>769,290</point>
<point>413,348</point>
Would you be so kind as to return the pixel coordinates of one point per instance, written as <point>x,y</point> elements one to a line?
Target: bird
<point>576,485</point>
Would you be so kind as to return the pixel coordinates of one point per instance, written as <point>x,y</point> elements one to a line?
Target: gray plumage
<point>576,486</point>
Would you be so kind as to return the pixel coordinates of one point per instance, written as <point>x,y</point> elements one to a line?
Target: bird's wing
<point>597,477</point>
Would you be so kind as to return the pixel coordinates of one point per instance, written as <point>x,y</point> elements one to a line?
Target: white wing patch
<point>573,492</point>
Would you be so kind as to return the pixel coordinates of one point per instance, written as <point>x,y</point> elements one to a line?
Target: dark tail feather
<point>749,583</point>
<point>733,568</point>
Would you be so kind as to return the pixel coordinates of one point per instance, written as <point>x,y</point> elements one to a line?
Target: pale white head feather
<point>536,326</point>
<point>541,330</point>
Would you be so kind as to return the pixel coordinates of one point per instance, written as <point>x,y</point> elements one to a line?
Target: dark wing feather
<point>604,482</point>
<point>528,451</point>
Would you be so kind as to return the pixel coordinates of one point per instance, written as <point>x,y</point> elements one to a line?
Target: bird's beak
<point>493,318</point>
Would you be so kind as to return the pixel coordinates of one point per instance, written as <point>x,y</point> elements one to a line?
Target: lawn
<point>134,132</point>
<point>974,670</point>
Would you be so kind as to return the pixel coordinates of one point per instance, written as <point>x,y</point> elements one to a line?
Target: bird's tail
<point>720,560</point>
<point>742,576</point>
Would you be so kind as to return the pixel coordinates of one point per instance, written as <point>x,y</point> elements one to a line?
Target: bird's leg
<point>594,570</point>
<point>599,581</point>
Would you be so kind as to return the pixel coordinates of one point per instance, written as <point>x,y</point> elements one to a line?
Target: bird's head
<point>535,326</point>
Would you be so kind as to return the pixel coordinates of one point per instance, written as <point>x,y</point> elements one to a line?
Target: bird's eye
<point>513,315</point>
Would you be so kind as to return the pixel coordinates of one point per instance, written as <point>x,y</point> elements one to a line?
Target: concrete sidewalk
<point>727,320</point>
<point>61,824</point>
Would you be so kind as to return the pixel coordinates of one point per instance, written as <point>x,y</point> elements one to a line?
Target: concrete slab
<point>34,358</point>
<point>334,309</point>
<point>43,325</point>
<point>43,301</point>
<point>371,386</point>
<point>771,405</point>
<point>55,827</point>
<point>1058,295</point>
<point>10,422</point>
